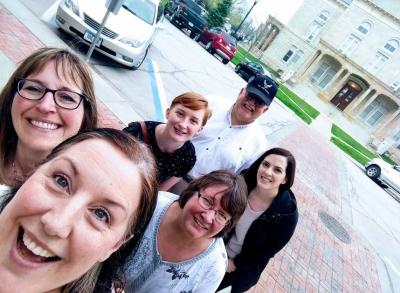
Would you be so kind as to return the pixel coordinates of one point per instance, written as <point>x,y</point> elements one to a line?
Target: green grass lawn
<point>355,154</point>
<point>339,133</point>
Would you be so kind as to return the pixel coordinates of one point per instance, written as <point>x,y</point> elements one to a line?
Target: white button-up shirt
<point>222,145</point>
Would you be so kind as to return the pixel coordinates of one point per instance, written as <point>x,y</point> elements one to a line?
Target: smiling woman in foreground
<point>92,195</point>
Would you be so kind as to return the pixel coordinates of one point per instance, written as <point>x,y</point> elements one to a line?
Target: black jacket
<point>267,235</point>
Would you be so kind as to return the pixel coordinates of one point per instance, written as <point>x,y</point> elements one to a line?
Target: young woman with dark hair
<point>268,222</point>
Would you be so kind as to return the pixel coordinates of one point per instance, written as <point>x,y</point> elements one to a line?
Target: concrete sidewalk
<point>325,254</point>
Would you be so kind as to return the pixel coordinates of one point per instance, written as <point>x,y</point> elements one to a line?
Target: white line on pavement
<point>392,266</point>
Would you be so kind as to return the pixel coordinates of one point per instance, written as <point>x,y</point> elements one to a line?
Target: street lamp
<point>247,14</point>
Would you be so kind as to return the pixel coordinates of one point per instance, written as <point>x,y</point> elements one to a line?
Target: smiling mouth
<point>32,251</point>
<point>199,223</point>
<point>249,108</point>
<point>180,132</point>
<point>43,125</point>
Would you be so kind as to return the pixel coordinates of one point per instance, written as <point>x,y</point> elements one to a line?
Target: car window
<point>160,11</point>
<point>143,9</point>
<point>193,6</point>
<point>229,38</point>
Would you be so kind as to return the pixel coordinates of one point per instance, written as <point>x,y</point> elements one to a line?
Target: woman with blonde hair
<point>170,142</point>
<point>65,229</point>
<point>48,98</point>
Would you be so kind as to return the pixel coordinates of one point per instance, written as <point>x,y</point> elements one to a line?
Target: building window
<point>364,27</point>
<point>376,63</point>
<point>350,44</point>
<point>315,27</point>
<point>391,46</point>
<point>373,113</point>
<point>323,16</point>
<point>288,55</point>
<point>323,75</point>
<point>292,55</point>
<point>313,31</point>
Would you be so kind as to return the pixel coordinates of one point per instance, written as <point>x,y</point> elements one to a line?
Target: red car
<point>219,42</point>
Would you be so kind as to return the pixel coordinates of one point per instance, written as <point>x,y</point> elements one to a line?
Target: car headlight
<point>73,5</point>
<point>131,42</point>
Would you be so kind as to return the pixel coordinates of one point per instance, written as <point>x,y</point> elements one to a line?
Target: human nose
<point>47,103</point>
<point>60,219</point>
<point>209,216</point>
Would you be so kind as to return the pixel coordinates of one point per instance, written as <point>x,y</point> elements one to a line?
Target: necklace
<point>17,177</point>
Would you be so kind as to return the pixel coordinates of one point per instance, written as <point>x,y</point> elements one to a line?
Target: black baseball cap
<point>263,87</point>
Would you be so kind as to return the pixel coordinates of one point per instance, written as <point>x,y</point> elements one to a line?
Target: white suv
<point>378,169</point>
<point>126,37</point>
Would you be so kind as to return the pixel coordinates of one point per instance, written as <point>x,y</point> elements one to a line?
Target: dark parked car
<point>219,42</point>
<point>187,14</point>
<point>247,69</point>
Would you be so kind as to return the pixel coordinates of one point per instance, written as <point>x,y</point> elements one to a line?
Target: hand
<point>231,266</point>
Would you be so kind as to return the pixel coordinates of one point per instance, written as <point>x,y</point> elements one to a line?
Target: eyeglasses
<point>33,90</point>
<point>208,204</point>
<point>258,102</point>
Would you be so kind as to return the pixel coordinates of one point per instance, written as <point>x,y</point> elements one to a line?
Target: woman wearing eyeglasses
<point>49,98</point>
<point>268,221</point>
<point>182,249</point>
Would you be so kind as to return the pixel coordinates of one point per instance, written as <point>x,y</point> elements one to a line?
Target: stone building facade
<point>348,54</point>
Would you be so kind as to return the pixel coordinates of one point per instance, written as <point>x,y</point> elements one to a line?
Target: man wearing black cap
<point>232,139</point>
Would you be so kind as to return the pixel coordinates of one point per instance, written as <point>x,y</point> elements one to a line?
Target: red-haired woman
<point>170,142</point>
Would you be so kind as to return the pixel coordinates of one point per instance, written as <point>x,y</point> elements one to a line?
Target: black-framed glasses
<point>35,91</point>
<point>258,102</point>
<point>208,204</point>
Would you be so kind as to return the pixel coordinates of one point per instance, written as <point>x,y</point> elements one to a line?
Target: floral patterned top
<point>147,272</point>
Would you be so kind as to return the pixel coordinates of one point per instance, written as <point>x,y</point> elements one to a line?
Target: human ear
<point>167,113</point>
<point>265,109</point>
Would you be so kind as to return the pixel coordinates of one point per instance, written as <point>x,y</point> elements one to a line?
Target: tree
<point>217,15</point>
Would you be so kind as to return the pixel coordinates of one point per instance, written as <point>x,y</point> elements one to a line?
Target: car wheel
<point>373,171</point>
<point>209,47</point>
<point>140,61</point>
<point>237,69</point>
<point>225,61</point>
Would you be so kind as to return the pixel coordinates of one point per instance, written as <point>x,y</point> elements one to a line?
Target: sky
<point>280,9</point>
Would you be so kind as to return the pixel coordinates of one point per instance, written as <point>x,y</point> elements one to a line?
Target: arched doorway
<point>346,95</point>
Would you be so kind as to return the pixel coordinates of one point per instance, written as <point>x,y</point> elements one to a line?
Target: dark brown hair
<point>193,101</point>
<point>250,175</point>
<point>67,64</point>
<point>233,201</point>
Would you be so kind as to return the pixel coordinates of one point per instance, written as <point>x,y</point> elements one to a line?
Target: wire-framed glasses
<point>208,204</point>
<point>35,91</point>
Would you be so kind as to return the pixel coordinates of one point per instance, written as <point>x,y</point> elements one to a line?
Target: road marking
<point>392,266</point>
<point>48,15</point>
<point>157,88</point>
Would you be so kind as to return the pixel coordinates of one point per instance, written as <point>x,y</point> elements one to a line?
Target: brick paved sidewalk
<point>320,257</point>
<point>328,257</point>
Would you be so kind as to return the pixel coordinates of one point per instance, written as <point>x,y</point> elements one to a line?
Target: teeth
<point>44,125</point>
<point>35,248</point>
<point>198,222</point>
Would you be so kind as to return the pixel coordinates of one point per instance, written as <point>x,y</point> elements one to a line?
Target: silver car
<point>378,169</point>
<point>126,37</point>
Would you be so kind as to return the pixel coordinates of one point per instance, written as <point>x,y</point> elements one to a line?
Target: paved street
<point>347,239</point>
